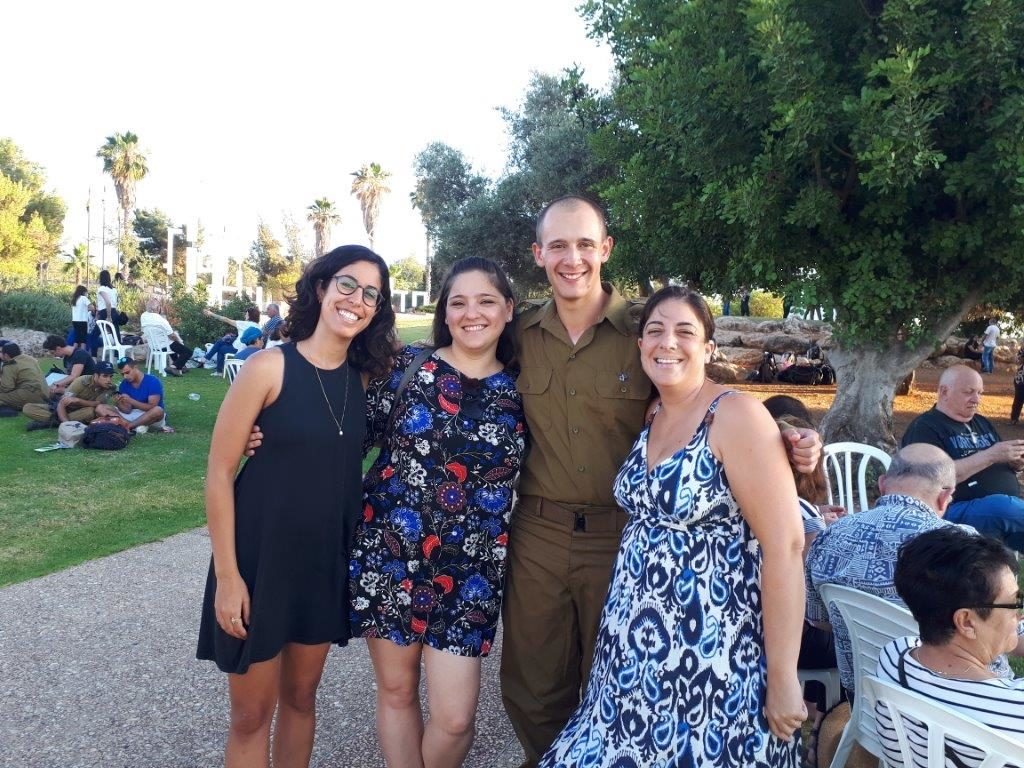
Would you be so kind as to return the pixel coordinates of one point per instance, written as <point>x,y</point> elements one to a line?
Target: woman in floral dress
<point>428,565</point>
<point>695,661</point>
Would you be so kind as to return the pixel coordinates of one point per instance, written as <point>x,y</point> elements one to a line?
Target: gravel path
<point>97,668</point>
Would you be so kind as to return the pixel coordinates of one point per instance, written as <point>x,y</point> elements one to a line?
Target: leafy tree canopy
<point>407,274</point>
<point>31,220</point>
<point>871,153</point>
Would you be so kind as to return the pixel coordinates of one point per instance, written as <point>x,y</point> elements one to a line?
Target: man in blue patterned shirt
<point>859,551</point>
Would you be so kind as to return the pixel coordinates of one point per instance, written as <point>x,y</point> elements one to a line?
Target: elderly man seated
<point>181,353</point>
<point>859,551</point>
<point>139,400</point>
<point>963,592</point>
<point>21,381</point>
<point>987,495</point>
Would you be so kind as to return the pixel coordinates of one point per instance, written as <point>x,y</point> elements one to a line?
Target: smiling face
<point>573,247</point>
<point>476,313</point>
<point>673,345</point>
<point>348,315</point>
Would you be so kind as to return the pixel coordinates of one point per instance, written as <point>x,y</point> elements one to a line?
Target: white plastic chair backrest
<point>839,464</point>
<point>107,333</point>
<point>922,727</point>
<point>871,623</point>
<point>231,366</point>
<point>157,338</point>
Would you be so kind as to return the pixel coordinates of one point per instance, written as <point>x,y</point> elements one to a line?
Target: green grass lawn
<point>64,507</point>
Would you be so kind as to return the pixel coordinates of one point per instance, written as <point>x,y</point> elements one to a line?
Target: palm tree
<point>323,214</point>
<point>78,263</point>
<point>369,186</point>
<point>125,161</point>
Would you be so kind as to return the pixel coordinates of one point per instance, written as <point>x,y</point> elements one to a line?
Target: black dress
<point>296,506</point>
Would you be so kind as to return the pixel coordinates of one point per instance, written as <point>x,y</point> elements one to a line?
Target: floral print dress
<point>428,564</point>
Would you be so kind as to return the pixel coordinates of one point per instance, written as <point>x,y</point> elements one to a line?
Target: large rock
<point>742,357</point>
<point>1005,354</point>
<point>798,325</point>
<point>728,338</point>
<point>783,342</point>
<point>734,323</point>
<point>770,326</point>
<point>724,373</point>
<point>31,342</point>
<point>945,361</point>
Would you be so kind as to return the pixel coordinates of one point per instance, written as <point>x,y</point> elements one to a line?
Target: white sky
<point>255,109</point>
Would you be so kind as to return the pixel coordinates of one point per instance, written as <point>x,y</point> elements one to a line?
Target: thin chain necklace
<point>344,406</point>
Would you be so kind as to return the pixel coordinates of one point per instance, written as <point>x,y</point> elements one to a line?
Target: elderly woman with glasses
<point>962,589</point>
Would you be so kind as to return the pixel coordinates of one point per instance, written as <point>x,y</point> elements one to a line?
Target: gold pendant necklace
<point>344,406</point>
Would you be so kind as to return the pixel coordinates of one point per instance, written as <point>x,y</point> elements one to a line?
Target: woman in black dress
<point>281,531</point>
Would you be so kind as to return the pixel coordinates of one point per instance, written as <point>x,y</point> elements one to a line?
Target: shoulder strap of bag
<point>410,371</point>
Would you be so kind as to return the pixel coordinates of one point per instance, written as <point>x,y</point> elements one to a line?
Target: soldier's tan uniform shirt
<point>21,382</point>
<point>84,389</point>
<point>584,403</point>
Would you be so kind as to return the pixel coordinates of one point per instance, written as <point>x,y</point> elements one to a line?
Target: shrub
<point>35,310</point>
<point>185,308</point>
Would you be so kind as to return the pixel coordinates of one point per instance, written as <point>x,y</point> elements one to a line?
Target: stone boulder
<point>728,338</point>
<point>734,323</point>
<point>783,342</point>
<point>31,342</point>
<point>770,326</point>
<point>945,361</point>
<point>742,357</point>
<point>725,373</point>
<point>798,325</point>
<point>1005,354</point>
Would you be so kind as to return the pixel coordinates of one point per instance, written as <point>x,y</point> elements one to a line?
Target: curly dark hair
<point>252,315</point>
<point>373,350</point>
<point>941,571</point>
<point>506,352</point>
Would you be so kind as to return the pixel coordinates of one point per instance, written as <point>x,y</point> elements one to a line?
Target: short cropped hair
<point>572,201</point>
<point>946,569</point>
<point>937,474</point>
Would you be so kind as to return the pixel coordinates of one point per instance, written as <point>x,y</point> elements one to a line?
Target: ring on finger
<point>235,620</point>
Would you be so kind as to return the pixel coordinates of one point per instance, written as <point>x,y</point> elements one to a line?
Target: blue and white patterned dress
<point>678,677</point>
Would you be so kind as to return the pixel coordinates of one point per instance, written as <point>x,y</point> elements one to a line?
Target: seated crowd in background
<point>180,352</point>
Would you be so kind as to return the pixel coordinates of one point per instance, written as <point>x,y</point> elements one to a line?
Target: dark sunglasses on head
<point>347,285</point>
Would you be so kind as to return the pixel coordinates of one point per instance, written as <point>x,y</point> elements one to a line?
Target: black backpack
<point>767,370</point>
<point>105,436</point>
<point>828,374</point>
<point>801,374</point>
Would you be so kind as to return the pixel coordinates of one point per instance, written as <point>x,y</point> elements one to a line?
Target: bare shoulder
<point>738,413</point>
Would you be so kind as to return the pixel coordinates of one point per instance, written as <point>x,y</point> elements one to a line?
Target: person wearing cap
<point>253,340</point>
<point>181,352</point>
<point>79,402</point>
<point>139,401</point>
<point>21,381</point>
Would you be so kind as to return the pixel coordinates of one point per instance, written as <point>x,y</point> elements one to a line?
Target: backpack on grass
<point>801,374</point>
<point>105,436</point>
<point>767,369</point>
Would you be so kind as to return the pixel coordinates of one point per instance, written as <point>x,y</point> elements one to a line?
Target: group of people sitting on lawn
<point>85,390</point>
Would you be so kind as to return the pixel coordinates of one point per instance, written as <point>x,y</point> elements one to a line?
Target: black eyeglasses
<point>1017,606</point>
<point>347,285</point>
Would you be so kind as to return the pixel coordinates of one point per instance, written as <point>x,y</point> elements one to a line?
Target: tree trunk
<point>865,382</point>
<point>866,379</point>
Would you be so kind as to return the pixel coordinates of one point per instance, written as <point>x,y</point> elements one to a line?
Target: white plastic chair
<point>108,335</point>
<point>159,348</point>
<point>231,366</point>
<point>871,623</point>
<point>923,726</point>
<point>839,464</point>
<point>243,326</point>
<point>827,677</point>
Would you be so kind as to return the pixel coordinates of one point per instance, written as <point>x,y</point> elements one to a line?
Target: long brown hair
<point>813,486</point>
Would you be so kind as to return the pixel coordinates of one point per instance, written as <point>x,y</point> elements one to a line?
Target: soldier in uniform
<point>79,401</point>
<point>585,396</point>
<point>21,381</point>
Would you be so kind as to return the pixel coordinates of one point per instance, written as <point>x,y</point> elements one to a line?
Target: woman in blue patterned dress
<point>428,565</point>
<point>695,663</point>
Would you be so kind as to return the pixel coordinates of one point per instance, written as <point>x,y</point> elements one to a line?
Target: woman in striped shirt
<point>963,592</point>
